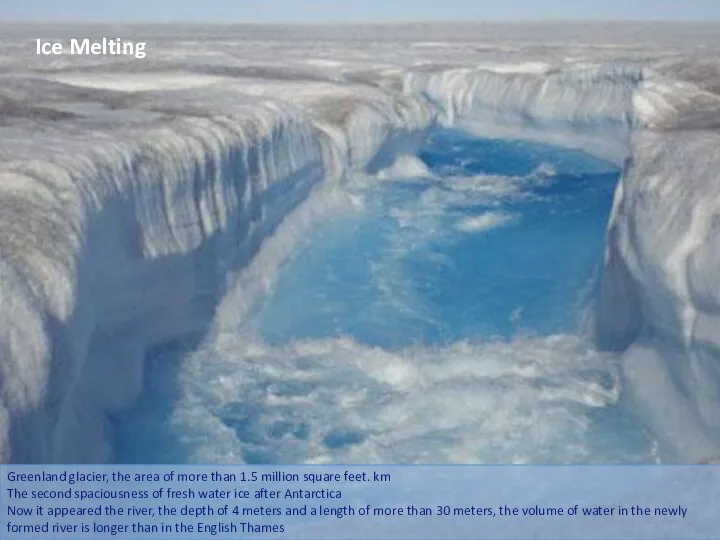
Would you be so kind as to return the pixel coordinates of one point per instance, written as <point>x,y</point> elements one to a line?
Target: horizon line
<point>344,22</point>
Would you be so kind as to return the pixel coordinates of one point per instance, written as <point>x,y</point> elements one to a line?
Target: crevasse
<point>119,238</point>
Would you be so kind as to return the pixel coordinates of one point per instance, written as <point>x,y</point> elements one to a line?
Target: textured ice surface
<point>132,192</point>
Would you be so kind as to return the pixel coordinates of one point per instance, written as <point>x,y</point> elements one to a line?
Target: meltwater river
<point>441,318</point>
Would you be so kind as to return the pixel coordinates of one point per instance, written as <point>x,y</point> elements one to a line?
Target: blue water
<point>441,319</point>
<point>439,284</point>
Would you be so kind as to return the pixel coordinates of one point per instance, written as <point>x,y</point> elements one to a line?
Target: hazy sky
<point>356,10</point>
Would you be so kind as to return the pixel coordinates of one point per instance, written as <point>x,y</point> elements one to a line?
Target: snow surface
<point>133,192</point>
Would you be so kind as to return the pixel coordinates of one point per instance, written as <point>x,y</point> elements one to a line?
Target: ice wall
<point>588,108</point>
<point>121,238</point>
<point>661,293</point>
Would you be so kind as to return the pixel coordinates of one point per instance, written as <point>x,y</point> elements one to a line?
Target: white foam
<point>339,401</point>
<point>485,222</point>
<point>406,167</point>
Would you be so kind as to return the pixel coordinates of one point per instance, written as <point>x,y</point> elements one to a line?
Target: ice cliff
<point>132,194</point>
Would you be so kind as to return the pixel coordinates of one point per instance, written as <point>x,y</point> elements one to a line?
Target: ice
<point>125,82</point>
<point>661,275</point>
<point>133,193</point>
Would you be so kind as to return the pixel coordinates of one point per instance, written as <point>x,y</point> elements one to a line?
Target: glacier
<point>136,194</point>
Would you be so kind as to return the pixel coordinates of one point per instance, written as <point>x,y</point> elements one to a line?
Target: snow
<point>126,82</point>
<point>132,192</point>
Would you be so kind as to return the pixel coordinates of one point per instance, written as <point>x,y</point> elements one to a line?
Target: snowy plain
<point>144,200</point>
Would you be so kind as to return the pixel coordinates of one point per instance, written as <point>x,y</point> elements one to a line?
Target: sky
<point>355,10</point>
